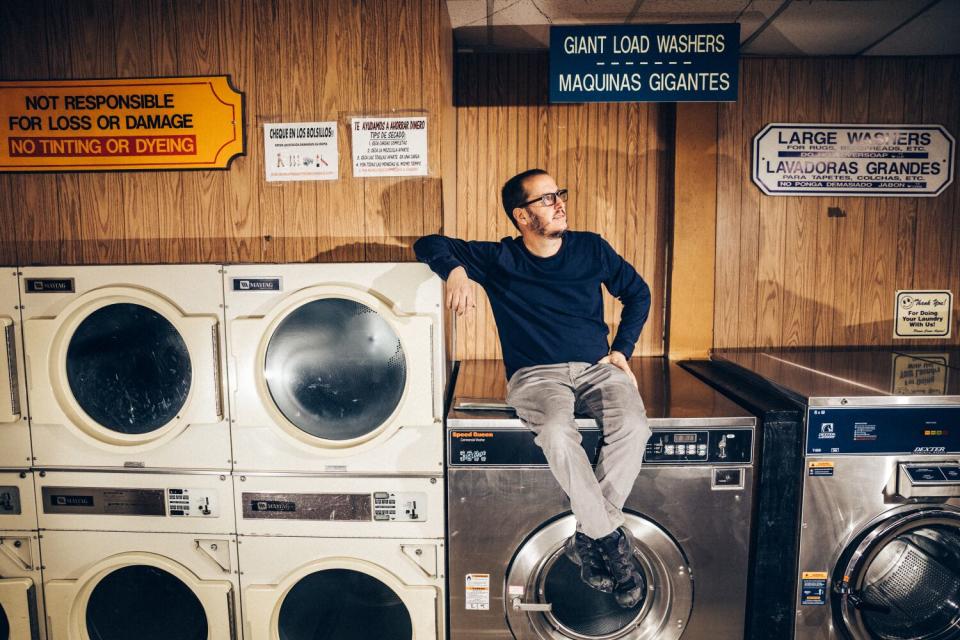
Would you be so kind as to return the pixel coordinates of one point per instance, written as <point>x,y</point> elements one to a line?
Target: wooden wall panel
<point>614,158</point>
<point>295,61</point>
<point>823,280</point>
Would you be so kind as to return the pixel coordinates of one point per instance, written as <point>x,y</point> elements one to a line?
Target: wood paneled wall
<point>296,60</point>
<point>788,275</point>
<point>614,158</point>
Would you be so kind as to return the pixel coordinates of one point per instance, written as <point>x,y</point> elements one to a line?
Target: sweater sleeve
<point>624,283</point>
<point>443,255</point>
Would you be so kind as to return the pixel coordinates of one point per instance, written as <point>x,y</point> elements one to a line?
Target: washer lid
<point>335,369</point>
<point>128,368</point>
<point>343,604</point>
<point>147,603</point>
<point>903,581</point>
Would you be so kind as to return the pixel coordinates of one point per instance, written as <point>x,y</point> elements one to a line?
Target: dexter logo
<point>826,431</point>
<point>930,450</point>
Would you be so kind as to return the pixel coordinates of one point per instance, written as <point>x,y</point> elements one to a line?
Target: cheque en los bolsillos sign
<point>120,124</point>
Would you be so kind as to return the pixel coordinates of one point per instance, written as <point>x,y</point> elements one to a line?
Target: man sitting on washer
<point>544,290</point>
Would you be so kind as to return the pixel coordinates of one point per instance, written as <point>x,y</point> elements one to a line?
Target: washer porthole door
<point>335,369</point>
<point>902,582</point>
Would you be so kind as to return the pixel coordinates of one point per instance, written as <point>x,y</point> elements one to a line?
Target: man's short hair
<point>514,194</point>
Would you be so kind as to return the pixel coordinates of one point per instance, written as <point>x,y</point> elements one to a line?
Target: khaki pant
<point>546,397</point>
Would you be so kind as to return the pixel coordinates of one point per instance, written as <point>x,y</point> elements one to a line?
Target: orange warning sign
<point>120,124</point>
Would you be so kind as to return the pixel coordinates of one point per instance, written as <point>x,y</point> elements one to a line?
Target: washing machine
<point>336,368</point>
<point>21,597</point>
<point>151,556</point>
<point>124,366</point>
<point>341,558</point>
<point>879,547</point>
<point>689,513</point>
<point>14,428</point>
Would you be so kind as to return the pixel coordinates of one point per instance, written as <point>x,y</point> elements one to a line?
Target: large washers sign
<point>120,124</point>
<point>644,63</point>
<point>860,160</point>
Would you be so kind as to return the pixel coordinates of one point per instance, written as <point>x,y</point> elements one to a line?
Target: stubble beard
<point>537,227</point>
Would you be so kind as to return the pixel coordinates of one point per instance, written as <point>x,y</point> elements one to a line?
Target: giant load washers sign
<point>846,159</point>
<point>120,124</point>
<point>644,63</point>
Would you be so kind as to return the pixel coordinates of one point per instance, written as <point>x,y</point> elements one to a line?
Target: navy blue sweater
<point>548,310</point>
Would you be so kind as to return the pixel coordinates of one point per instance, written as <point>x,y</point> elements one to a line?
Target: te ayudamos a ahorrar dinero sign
<point>120,124</point>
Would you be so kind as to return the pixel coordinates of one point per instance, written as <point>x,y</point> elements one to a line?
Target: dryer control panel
<point>379,506</point>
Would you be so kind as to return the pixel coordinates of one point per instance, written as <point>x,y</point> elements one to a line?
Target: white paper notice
<point>389,147</point>
<point>301,151</point>
<point>478,591</point>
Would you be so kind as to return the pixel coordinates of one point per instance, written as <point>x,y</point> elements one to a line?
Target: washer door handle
<point>518,605</point>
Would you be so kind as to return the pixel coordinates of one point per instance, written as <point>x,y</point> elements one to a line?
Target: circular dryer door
<point>17,609</point>
<point>343,604</point>
<point>900,580</point>
<point>546,599</point>
<point>128,368</point>
<point>335,369</point>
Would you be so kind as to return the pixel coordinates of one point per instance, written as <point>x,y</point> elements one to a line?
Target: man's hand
<point>461,294</point>
<point>620,361</point>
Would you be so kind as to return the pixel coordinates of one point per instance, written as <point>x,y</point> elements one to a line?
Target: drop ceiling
<point>768,27</point>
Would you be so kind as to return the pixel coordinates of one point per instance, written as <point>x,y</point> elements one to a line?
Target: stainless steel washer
<point>689,511</point>
<point>879,551</point>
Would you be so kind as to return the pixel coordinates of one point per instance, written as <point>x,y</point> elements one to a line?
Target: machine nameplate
<point>884,430</point>
<point>9,501</point>
<point>104,501</point>
<point>349,507</point>
<point>48,285</point>
<point>256,284</point>
<point>506,447</point>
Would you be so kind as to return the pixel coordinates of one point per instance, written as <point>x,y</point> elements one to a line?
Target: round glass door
<point>4,625</point>
<point>146,603</point>
<point>335,369</point>
<point>128,368</point>
<point>342,604</point>
<point>906,584</point>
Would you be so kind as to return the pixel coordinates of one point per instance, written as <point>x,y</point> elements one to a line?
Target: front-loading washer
<point>21,597</point>
<point>151,556</point>
<point>14,427</point>
<point>336,368</point>
<point>879,540</point>
<point>341,558</point>
<point>124,366</point>
<point>690,513</point>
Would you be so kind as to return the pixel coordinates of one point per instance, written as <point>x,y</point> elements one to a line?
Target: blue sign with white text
<point>644,63</point>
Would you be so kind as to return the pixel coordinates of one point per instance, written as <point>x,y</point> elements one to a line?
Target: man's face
<point>545,221</point>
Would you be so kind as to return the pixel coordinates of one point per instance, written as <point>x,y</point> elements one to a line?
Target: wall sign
<point>920,377</point>
<point>120,124</point>
<point>863,160</point>
<point>301,151</point>
<point>389,147</point>
<point>644,63</point>
<point>923,314</point>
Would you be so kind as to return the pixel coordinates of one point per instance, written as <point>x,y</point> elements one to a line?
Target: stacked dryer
<point>131,450</point>
<point>336,379</point>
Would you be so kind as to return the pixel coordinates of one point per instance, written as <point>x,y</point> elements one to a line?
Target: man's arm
<point>623,282</point>
<point>460,263</point>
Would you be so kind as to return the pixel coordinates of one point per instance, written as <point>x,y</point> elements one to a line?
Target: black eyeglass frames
<point>548,199</point>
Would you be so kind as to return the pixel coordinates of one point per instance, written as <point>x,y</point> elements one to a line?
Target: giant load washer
<point>341,558</point>
<point>14,428</point>
<point>124,366</point>
<point>690,513</point>
<point>21,595</point>
<point>151,556</point>
<point>336,368</point>
<point>880,535</point>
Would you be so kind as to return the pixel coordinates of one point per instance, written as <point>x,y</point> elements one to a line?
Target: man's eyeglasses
<point>548,199</point>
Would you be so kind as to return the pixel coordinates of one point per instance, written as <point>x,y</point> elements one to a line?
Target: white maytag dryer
<point>336,368</point>
<point>21,591</point>
<point>14,428</point>
<point>124,366</point>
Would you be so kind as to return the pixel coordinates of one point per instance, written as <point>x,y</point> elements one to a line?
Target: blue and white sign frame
<point>873,160</point>
<point>644,63</point>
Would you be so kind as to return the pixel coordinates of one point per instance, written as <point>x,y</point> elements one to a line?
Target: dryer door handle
<point>519,605</point>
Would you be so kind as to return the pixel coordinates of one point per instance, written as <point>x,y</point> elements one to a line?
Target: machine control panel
<point>104,501</point>
<point>379,506</point>
<point>929,479</point>
<point>9,502</point>
<point>716,446</point>
<point>192,503</point>
<point>884,430</point>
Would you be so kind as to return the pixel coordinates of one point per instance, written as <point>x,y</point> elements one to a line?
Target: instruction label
<point>301,151</point>
<point>923,314</point>
<point>813,588</point>
<point>820,468</point>
<point>478,591</point>
<point>389,147</point>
